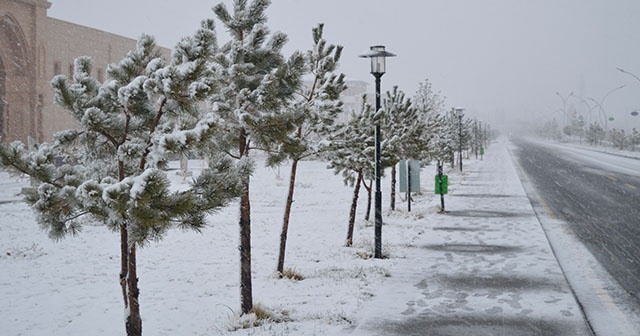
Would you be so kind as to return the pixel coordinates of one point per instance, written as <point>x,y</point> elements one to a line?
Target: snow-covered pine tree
<point>428,102</point>
<point>255,82</point>
<point>580,123</point>
<point>430,106</point>
<point>634,138</point>
<point>402,128</point>
<point>467,135</point>
<point>316,107</point>
<point>445,138</point>
<point>351,151</point>
<point>617,138</point>
<point>595,133</point>
<point>110,169</point>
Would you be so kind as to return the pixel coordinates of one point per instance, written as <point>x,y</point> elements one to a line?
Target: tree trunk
<point>393,187</point>
<point>124,248</point>
<point>246,295</point>
<point>129,284</point>
<point>352,214</point>
<point>134,322</point>
<point>287,213</point>
<point>368,189</point>
<point>124,263</point>
<point>129,276</point>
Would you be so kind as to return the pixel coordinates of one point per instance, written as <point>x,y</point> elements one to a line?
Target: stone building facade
<point>33,49</point>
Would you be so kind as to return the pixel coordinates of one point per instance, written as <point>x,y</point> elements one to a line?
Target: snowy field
<point>189,282</point>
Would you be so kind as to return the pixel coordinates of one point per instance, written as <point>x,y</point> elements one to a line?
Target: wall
<point>33,49</point>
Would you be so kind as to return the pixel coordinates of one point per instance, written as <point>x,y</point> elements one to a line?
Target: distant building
<point>352,98</point>
<point>33,49</point>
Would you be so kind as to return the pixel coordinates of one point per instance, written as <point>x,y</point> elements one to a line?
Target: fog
<point>503,60</point>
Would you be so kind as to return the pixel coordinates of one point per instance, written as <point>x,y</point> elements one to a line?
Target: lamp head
<point>377,54</point>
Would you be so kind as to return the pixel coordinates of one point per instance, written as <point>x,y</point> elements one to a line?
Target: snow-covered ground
<point>607,158</point>
<point>484,266</point>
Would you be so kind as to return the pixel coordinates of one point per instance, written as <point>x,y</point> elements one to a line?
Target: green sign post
<point>442,184</point>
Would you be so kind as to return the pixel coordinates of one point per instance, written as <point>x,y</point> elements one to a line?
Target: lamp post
<point>601,103</point>
<point>458,111</point>
<point>475,137</point>
<point>377,55</point>
<point>564,107</point>
<point>628,73</point>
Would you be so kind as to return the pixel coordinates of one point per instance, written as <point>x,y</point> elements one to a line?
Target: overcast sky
<point>500,59</point>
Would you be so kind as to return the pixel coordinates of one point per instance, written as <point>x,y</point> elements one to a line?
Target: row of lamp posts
<point>598,104</point>
<point>377,54</point>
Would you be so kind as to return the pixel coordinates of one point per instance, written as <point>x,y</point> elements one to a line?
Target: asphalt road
<point>598,195</point>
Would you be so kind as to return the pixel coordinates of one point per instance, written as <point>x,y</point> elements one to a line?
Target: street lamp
<point>574,122</point>
<point>601,103</point>
<point>458,111</point>
<point>377,55</point>
<point>564,107</point>
<point>628,73</point>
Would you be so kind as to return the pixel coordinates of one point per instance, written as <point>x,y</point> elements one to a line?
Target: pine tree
<point>551,130</point>
<point>580,122</point>
<point>467,135</point>
<point>445,138</point>
<point>255,82</point>
<point>110,170</point>
<point>595,134</point>
<point>351,152</point>
<point>634,138</point>
<point>316,108</point>
<point>403,129</point>
<point>617,138</point>
<point>437,137</point>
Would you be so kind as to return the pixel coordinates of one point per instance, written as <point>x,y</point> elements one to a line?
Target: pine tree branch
<point>80,214</point>
<point>230,155</point>
<point>110,138</point>
<point>156,121</point>
<point>313,87</point>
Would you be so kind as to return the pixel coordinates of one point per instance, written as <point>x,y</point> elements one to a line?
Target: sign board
<point>442,184</point>
<point>415,175</point>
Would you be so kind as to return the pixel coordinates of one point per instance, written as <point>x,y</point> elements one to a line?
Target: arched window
<point>56,68</point>
<point>18,71</point>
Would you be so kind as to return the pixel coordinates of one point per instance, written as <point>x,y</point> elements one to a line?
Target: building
<point>352,96</point>
<point>33,49</point>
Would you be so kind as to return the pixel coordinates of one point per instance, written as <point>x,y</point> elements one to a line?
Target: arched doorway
<point>17,81</point>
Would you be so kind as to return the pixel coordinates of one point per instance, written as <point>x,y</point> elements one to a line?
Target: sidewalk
<point>484,267</point>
